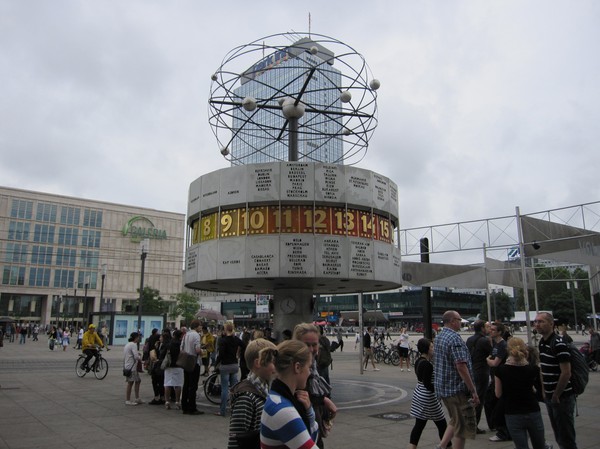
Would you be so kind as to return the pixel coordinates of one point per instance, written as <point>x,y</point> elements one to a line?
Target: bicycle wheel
<point>386,358</point>
<point>212,388</point>
<point>593,365</point>
<point>395,358</point>
<point>101,368</point>
<point>377,355</point>
<point>412,357</point>
<point>79,366</point>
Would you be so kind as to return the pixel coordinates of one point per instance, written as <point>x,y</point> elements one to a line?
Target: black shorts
<point>403,351</point>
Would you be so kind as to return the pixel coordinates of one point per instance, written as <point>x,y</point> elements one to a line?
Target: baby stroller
<point>589,357</point>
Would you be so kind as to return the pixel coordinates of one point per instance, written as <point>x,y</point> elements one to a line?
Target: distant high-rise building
<point>261,135</point>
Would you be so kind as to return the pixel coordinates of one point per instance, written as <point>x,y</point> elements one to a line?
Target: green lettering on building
<point>139,228</point>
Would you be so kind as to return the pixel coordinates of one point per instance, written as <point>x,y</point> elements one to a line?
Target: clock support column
<point>291,306</point>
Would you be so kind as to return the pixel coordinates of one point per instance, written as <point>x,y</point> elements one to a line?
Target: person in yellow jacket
<point>89,344</point>
<point>207,343</point>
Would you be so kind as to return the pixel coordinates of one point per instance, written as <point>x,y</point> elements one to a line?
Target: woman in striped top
<point>248,397</point>
<point>425,404</point>
<point>288,419</point>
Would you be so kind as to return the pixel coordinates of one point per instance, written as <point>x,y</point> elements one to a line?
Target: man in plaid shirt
<point>453,381</point>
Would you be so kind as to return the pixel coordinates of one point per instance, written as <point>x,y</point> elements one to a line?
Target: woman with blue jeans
<point>515,382</point>
<point>229,352</point>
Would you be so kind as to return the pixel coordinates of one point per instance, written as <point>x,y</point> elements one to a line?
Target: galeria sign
<point>139,228</point>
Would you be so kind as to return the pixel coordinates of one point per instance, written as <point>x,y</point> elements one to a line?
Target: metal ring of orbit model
<point>328,89</point>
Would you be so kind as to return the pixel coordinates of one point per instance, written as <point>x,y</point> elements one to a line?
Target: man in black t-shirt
<point>555,363</point>
<point>494,407</point>
<point>480,349</point>
<point>368,352</point>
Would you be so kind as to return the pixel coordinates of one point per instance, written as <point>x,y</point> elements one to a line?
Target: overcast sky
<point>484,105</point>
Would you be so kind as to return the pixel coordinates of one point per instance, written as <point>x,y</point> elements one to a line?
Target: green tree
<point>561,306</point>
<point>501,306</point>
<point>554,293</point>
<point>152,302</point>
<point>186,305</point>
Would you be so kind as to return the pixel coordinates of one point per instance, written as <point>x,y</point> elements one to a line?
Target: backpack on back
<point>472,343</point>
<point>580,372</point>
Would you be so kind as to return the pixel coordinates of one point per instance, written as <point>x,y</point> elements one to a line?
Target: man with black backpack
<point>480,349</point>
<point>555,362</point>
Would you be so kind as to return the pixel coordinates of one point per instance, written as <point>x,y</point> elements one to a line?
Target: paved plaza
<point>45,405</point>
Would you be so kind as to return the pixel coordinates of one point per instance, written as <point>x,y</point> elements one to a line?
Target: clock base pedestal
<point>286,318</point>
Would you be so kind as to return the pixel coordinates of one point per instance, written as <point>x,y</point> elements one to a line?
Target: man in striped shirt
<point>555,362</point>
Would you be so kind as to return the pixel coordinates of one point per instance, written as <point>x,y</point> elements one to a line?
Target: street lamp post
<point>572,287</point>
<point>75,304</point>
<point>144,251</point>
<point>58,303</point>
<point>102,284</point>
<point>85,287</point>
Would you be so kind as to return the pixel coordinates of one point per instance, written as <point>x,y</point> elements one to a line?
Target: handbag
<point>186,361</point>
<point>166,363</point>
<point>126,372</point>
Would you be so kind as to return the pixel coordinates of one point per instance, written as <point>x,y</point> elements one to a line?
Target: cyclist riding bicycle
<point>89,344</point>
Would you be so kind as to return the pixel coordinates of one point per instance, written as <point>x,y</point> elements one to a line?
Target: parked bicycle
<point>386,354</point>
<point>413,355</point>
<point>212,387</point>
<point>99,367</point>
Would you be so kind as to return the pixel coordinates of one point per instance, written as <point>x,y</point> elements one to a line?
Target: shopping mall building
<point>66,258</point>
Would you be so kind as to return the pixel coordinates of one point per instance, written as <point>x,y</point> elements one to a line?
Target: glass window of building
<point>92,218</point>
<point>89,259</point>
<point>64,278</point>
<point>21,209</point>
<point>41,255</point>
<point>39,277</point>
<point>46,212</point>
<point>43,233</point>
<point>16,253</point>
<point>91,239</point>
<point>70,215</point>
<point>66,257</point>
<point>13,275</point>
<point>68,236</point>
<point>91,277</point>
<point>18,231</point>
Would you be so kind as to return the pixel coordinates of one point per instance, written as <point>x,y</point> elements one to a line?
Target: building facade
<point>64,258</point>
<point>287,71</point>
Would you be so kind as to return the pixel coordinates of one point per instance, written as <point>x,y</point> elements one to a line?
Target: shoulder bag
<point>186,361</point>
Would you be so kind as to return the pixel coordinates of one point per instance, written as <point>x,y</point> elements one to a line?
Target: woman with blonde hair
<point>229,351</point>
<point>288,419</point>
<point>318,388</point>
<point>516,381</point>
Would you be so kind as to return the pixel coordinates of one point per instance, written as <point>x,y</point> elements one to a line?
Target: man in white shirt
<point>191,344</point>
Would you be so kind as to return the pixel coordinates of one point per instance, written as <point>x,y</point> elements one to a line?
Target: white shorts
<point>173,377</point>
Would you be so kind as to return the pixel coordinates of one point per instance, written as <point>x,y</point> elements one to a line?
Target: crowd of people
<point>58,336</point>
<point>279,383</point>
<point>499,374</point>
<point>492,373</point>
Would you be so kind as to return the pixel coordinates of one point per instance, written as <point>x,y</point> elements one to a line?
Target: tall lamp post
<point>85,286</point>
<point>102,284</point>
<point>144,245</point>
<point>572,287</point>
<point>58,303</point>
